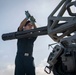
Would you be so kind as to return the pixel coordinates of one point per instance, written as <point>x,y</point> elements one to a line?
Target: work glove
<point>32,19</point>
<point>27,15</point>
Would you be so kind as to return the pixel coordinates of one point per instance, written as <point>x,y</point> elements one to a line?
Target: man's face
<point>28,27</point>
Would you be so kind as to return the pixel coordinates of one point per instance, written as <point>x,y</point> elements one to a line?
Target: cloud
<point>9,70</point>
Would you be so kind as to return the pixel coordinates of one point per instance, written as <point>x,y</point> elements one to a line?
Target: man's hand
<point>27,15</point>
<point>32,19</point>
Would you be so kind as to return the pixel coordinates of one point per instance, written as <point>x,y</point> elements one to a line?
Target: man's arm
<point>34,25</point>
<point>24,21</point>
<point>22,24</point>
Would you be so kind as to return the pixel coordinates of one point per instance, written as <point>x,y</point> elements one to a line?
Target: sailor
<point>24,61</point>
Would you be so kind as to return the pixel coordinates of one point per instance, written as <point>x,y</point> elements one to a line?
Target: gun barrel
<point>24,34</point>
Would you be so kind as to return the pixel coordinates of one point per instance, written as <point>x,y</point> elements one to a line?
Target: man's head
<point>28,26</point>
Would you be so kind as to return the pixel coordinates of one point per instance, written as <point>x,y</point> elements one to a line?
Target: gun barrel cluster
<point>24,34</point>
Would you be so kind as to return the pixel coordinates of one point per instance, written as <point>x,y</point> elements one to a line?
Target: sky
<point>12,12</point>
